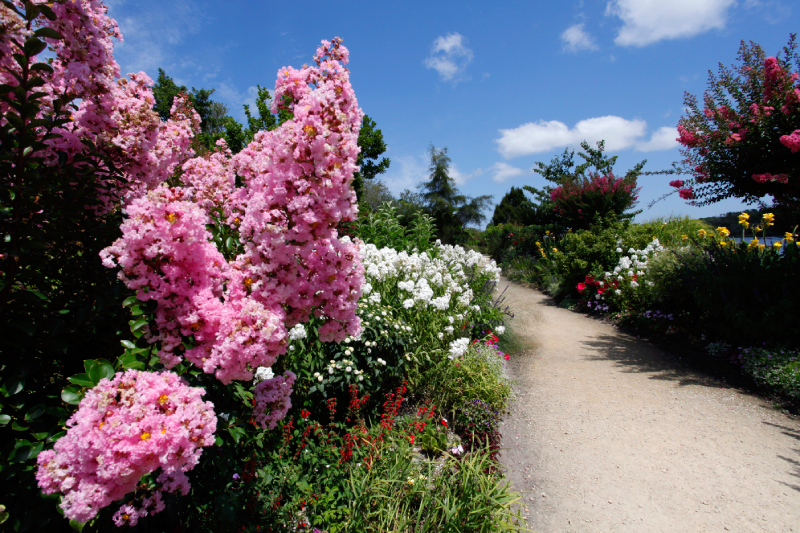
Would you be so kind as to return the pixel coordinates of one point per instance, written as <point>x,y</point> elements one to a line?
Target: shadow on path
<point>637,356</point>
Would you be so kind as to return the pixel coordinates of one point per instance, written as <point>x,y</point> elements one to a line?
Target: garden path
<point>610,433</point>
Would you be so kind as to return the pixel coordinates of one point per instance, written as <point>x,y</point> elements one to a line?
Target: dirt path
<point>609,433</point>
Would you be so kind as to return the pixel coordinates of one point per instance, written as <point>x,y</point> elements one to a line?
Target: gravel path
<point>609,433</point>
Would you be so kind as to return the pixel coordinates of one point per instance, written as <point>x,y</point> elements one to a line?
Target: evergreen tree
<point>451,210</point>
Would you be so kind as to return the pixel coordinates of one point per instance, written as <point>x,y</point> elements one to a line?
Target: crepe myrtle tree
<point>743,139</point>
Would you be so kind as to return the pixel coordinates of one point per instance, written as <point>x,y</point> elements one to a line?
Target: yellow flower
<point>769,219</point>
<point>663,225</point>
<point>555,250</point>
<point>547,232</point>
<point>723,232</point>
<point>538,243</point>
<point>743,220</point>
<point>723,243</point>
<point>753,243</point>
<point>777,245</point>
<point>789,237</point>
<point>702,233</point>
<point>757,229</point>
<point>762,246</point>
<point>685,238</point>
<point>171,218</point>
<point>145,436</point>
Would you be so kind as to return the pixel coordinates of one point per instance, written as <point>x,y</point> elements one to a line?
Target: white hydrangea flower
<point>500,330</point>
<point>634,284</point>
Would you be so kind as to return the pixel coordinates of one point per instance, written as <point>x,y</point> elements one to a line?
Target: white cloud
<point>662,139</point>
<point>449,57</point>
<point>151,36</point>
<point>504,172</point>
<point>532,138</point>
<point>649,21</point>
<point>235,99</point>
<point>406,172</point>
<point>574,39</point>
<point>459,177</point>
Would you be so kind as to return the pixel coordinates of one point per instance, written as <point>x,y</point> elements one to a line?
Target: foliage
<point>401,493</point>
<point>478,374</point>
<point>383,229</point>
<point>590,189</point>
<point>741,294</point>
<point>374,194</point>
<point>514,208</point>
<point>451,210</point>
<point>742,143</point>
<point>370,162</point>
<point>775,368</point>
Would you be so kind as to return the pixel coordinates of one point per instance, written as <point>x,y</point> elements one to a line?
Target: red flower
<point>676,183</point>
<point>581,287</point>
<point>444,422</point>
<point>507,357</point>
<point>601,290</point>
<point>589,280</point>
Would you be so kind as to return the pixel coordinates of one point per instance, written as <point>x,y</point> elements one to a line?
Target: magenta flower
<point>676,183</point>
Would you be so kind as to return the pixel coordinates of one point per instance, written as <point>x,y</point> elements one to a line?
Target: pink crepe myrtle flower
<point>296,190</point>
<point>792,141</point>
<point>131,425</point>
<point>775,178</point>
<point>272,400</point>
<point>686,193</point>
<point>676,183</point>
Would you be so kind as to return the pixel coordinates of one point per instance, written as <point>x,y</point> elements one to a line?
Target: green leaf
<point>82,379</point>
<point>77,526</point>
<point>128,345</point>
<point>72,394</point>
<point>18,427</point>
<point>35,412</point>
<point>44,67</point>
<point>56,436</point>
<point>130,301</point>
<point>4,420</point>
<point>33,46</point>
<point>137,325</point>
<point>12,386</point>
<point>101,369</point>
<point>50,33</point>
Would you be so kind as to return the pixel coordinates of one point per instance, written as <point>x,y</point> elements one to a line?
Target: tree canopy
<point>451,210</point>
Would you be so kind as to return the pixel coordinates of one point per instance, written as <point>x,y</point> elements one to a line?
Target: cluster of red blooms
<point>601,285</point>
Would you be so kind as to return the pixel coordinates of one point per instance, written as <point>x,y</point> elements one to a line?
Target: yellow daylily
<point>743,220</point>
<point>753,243</point>
<point>777,245</point>
<point>702,233</point>
<point>769,219</point>
<point>723,232</point>
<point>789,237</point>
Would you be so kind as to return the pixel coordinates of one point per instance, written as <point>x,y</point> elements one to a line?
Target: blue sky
<point>502,85</point>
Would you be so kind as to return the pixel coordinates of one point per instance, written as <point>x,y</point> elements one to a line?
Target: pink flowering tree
<point>744,141</point>
<point>588,190</point>
<point>218,271</point>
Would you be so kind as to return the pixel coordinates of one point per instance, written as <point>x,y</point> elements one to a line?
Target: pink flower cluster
<point>115,114</point>
<point>296,191</point>
<point>272,400</point>
<point>585,193</point>
<point>775,178</point>
<point>124,428</point>
<point>792,141</point>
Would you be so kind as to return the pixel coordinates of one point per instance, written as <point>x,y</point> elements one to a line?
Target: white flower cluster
<point>500,329</point>
<point>346,364</point>
<point>635,264</point>
<point>458,347</point>
<point>263,373</point>
<point>436,281</point>
<point>298,332</point>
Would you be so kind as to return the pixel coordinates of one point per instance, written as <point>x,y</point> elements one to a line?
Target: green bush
<point>400,492</point>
